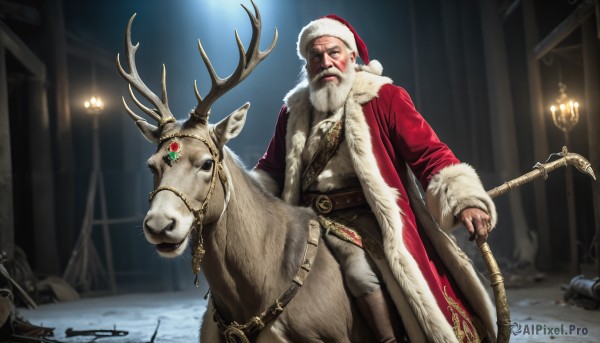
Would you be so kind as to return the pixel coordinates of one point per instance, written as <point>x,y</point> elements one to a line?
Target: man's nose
<point>326,62</point>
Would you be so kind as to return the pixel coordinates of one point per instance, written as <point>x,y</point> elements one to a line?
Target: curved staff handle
<point>567,158</point>
<point>497,281</point>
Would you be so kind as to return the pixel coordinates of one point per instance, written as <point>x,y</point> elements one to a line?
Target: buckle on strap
<point>323,203</point>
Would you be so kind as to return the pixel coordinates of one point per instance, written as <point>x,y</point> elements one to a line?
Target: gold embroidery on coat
<point>464,328</point>
<point>341,231</point>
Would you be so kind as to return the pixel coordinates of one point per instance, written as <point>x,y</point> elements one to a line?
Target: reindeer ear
<point>231,126</point>
<point>149,131</point>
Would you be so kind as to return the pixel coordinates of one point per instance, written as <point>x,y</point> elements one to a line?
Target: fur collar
<point>365,88</point>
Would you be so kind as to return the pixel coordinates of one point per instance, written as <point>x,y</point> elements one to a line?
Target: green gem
<point>173,156</point>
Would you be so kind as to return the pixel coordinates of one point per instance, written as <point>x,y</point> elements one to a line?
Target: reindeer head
<point>188,162</point>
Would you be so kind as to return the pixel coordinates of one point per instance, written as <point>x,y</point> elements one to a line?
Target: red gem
<point>174,146</point>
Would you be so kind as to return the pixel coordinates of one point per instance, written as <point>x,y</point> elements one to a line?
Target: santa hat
<point>334,26</point>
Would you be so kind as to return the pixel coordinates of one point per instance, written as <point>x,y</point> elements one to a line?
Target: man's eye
<point>207,165</point>
<point>153,169</point>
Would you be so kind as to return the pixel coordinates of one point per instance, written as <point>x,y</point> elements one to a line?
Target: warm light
<point>94,105</point>
<point>565,113</point>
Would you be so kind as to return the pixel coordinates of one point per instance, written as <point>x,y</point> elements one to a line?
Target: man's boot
<point>377,312</point>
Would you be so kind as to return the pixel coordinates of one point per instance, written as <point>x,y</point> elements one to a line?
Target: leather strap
<point>327,202</point>
<point>235,332</point>
<point>327,147</point>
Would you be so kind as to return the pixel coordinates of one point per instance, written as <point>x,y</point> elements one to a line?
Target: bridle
<point>199,213</point>
<point>232,331</point>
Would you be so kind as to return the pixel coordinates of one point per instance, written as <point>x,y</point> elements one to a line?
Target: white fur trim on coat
<point>382,200</point>
<point>410,292</point>
<point>453,189</point>
<point>456,261</point>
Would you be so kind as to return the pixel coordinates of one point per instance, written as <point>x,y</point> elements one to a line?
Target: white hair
<point>330,96</point>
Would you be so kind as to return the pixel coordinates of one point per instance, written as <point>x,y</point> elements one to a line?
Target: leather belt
<point>327,202</point>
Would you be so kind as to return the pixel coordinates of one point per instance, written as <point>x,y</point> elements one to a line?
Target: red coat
<point>435,282</point>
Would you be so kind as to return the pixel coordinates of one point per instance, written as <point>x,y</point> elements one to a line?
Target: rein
<point>198,248</point>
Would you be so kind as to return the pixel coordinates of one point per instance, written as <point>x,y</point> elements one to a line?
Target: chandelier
<point>94,105</point>
<point>565,110</point>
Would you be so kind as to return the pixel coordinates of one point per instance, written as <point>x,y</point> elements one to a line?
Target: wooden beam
<point>41,180</point>
<point>55,53</point>
<point>597,12</point>
<point>100,57</point>
<point>591,77</point>
<point>20,50</point>
<point>124,220</point>
<point>564,29</point>
<point>539,135</point>
<point>24,13</point>
<point>510,9</point>
<point>7,230</point>
<point>503,130</point>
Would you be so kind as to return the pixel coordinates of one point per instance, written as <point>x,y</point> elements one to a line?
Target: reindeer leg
<point>209,332</point>
<point>272,333</point>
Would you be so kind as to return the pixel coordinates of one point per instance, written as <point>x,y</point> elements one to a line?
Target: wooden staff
<point>496,279</point>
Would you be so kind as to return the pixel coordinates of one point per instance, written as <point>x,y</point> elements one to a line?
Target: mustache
<point>328,72</point>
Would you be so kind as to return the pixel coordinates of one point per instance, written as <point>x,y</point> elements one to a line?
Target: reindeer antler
<point>248,61</point>
<point>162,114</point>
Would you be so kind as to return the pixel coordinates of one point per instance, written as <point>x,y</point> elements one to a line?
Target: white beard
<point>330,96</point>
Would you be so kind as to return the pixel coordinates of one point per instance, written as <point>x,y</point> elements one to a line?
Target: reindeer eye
<point>207,165</point>
<point>153,169</point>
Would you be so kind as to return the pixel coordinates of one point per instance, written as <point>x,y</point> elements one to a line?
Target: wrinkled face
<point>330,70</point>
<point>328,56</point>
<point>185,166</point>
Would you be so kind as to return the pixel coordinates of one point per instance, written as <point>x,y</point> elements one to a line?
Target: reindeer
<point>270,276</point>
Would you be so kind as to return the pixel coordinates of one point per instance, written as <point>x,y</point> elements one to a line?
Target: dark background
<point>436,49</point>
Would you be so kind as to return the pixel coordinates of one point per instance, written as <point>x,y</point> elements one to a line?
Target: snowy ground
<point>179,313</point>
<point>538,310</point>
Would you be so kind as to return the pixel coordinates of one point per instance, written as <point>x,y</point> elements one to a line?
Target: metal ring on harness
<point>235,335</point>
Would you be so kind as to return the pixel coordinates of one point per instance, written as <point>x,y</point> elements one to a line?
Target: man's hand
<point>477,222</point>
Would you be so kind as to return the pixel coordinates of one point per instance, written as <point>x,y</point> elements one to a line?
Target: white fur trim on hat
<point>324,27</point>
<point>374,67</point>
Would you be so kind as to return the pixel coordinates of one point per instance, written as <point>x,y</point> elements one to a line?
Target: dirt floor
<point>139,314</point>
<point>538,312</point>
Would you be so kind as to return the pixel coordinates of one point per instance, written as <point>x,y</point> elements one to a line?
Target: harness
<point>234,332</point>
<point>239,333</point>
<point>198,248</point>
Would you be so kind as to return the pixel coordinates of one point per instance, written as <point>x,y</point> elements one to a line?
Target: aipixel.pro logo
<point>547,330</point>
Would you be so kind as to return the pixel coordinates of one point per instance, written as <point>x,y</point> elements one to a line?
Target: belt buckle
<point>323,204</point>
